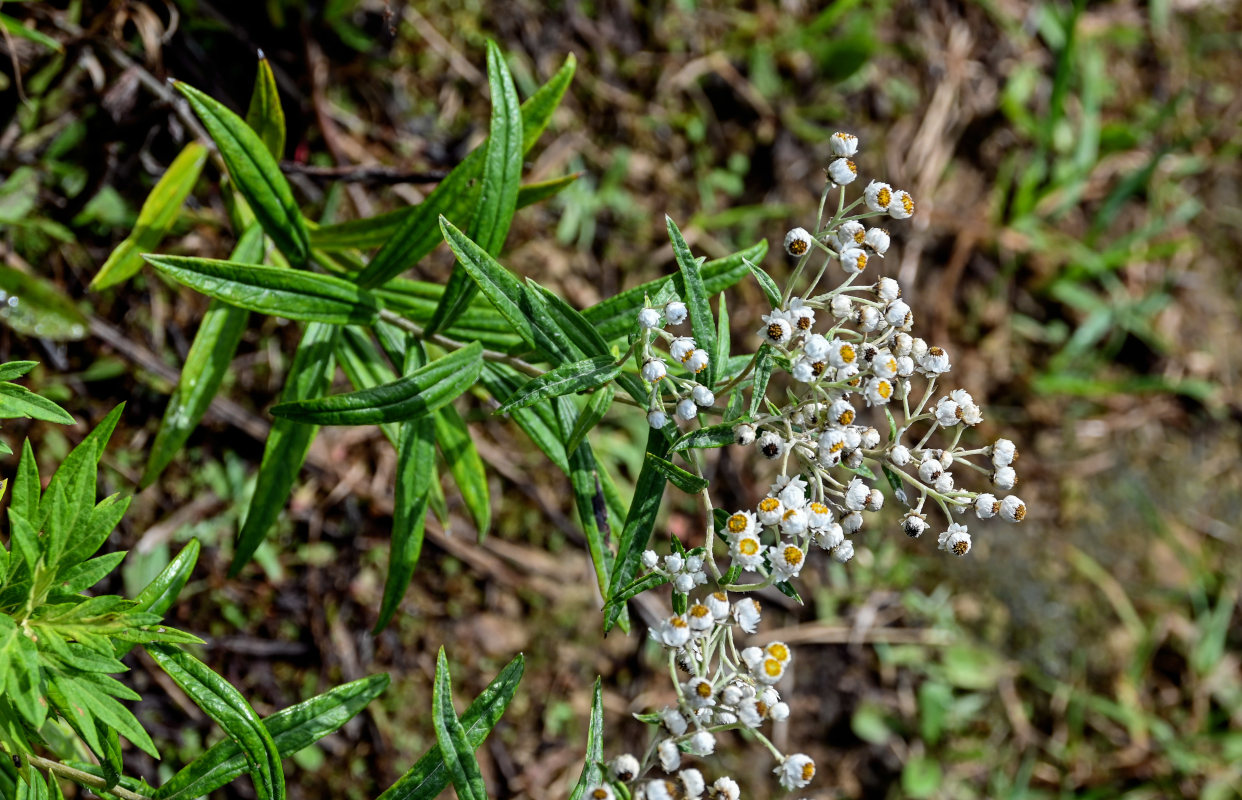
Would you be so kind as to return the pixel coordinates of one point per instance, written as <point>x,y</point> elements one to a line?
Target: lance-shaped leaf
<point>617,316</point>
<point>428,777</point>
<point>689,282</point>
<point>158,213</point>
<point>687,481</point>
<point>288,442</point>
<point>592,771</point>
<point>205,367</point>
<point>769,287</point>
<point>37,307</point>
<point>291,730</point>
<point>255,173</point>
<point>538,421</point>
<point>705,438</point>
<point>19,402</point>
<point>577,376</point>
<point>639,521</point>
<point>457,447</point>
<point>415,395</point>
<point>455,748</point>
<point>224,704</point>
<point>502,175</point>
<point>265,115</point>
<point>589,499</point>
<point>162,591</point>
<point>418,232</point>
<point>416,471</point>
<point>763,373</point>
<point>293,294</point>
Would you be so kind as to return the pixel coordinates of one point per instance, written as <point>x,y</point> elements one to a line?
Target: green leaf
<point>577,376</point>
<point>618,315</point>
<point>88,573</point>
<point>705,438</point>
<point>769,287</point>
<point>18,401</point>
<point>27,487</point>
<point>894,481</point>
<point>159,212</point>
<point>688,482</point>
<point>637,587</point>
<point>366,367</point>
<point>34,306</point>
<point>920,777</point>
<point>690,285</point>
<point>220,701</point>
<point>763,373</point>
<point>16,369</point>
<point>162,591</point>
<point>255,173</point>
<point>293,294</point>
<point>205,368</point>
<point>538,421</point>
<point>455,747</point>
<point>292,729</point>
<point>497,203</point>
<point>639,521</point>
<point>265,116</point>
<point>589,499</point>
<point>417,233</point>
<point>288,442</point>
<point>414,395</point>
<point>428,777</point>
<point>597,406</point>
<point>416,459</point>
<point>457,448</point>
<point>32,34</point>
<point>592,772</point>
<point>79,692</point>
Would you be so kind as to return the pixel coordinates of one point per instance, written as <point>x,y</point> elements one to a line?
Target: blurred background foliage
<point>1077,174</point>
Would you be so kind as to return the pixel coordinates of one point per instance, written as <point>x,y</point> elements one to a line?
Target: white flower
<point>600,792</point>
<point>1004,478</point>
<point>944,484</point>
<point>726,789</point>
<point>657,419</point>
<point>843,144</point>
<point>831,447</point>
<point>914,525</point>
<point>930,469</point>
<point>740,524</point>
<point>875,501</point>
<point>819,516</point>
<point>842,306</point>
<point>670,759</point>
<point>899,455</point>
<point>946,412</point>
<point>654,370</point>
<point>902,205</point>
<point>624,768</point>
<point>877,239</point>
<point>856,494</point>
<point>687,410</point>
<point>661,789</point>
<point>744,434</point>
<point>746,613</point>
<point>768,671</point>
<point>853,259</point>
<point>878,392</point>
<point>853,437</point>
<point>790,491</point>
<point>777,329</point>
<point>673,562</point>
<point>703,396</point>
<point>771,445</point>
<point>972,414</point>
<point>955,539</point>
<point>887,290</point>
<point>800,314</point>
<point>752,656</point>
<point>841,412</point>
<point>852,522</point>
<point>842,171</point>
<point>884,365</point>
<point>699,692</point>
<point>1003,453</point>
<point>681,348</point>
<point>718,603</point>
<point>778,712</point>
<point>700,617</point>
<point>650,559</point>
<point>748,713</point>
<point>905,366</point>
<point>649,318</point>
<point>770,510</point>
<point>781,652</point>
<point>844,551</point>
<point>672,632</point>
<point>796,771</point>
<point>903,343</point>
<point>918,348</point>
<point>747,552</point>
<point>675,312</point>
<point>830,537</point>
<point>878,196</point>
<point>798,242</point>
<point>696,361</point>
<point>1013,509</point>
<point>815,347</point>
<point>673,721</point>
<point>804,370</point>
<point>870,439</point>
<point>850,234</point>
<point>935,361</point>
<point>986,506</point>
<point>701,744</point>
<point>841,353</point>
<point>897,314</point>
<point>787,559</point>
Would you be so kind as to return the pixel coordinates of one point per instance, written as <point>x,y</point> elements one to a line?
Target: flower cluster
<point>688,395</point>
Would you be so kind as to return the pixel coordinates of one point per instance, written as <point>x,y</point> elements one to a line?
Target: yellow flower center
<point>819,508</point>
<point>847,353</point>
<point>793,556</point>
<point>773,668</point>
<point>798,246</point>
<point>860,234</point>
<point>818,367</point>
<point>804,323</point>
<point>699,610</point>
<point>883,197</point>
<point>846,417</point>
<point>779,651</point>
<point>884,389</point>
<point>907,202</point>
<point>1020,513</point>
<point>736,523</point>
<point>808,771</point>
<point>960,547</point>
<point>775,331</point>
<point>703,690</point>
<point>791,512</point>
<point>769,504</point>
<point>748,547</point>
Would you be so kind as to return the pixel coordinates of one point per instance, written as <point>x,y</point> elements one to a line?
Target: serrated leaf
<point>497,202</point>
<point>265,115</point>
<point>428,777</point>
<point>592,772</point>
<point>293,294</point>
<point>255,173</point>
<point>639,521</point>
<point>769,287</point>
<point>288,442</point>
<point>687,481</point>
<point>205,368</point>
<point>159,212</point>
<point>220,701</point>
<point>414,395</point>
<point>458,450</point>
<point>569,378</point>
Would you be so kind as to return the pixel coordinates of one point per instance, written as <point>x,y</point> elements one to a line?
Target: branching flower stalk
<point>846,350</point>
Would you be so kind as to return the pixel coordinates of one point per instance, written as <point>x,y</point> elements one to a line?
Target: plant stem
<point>84,778</point>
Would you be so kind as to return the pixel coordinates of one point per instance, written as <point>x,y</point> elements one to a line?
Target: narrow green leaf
<point>688,482</point>
<point>413,395</point>
<point>769,287</point>
<point>37,307</point>
<point>589,499</point>
<point>597,406</point>
<point>416,459</point>
<point>265,115</point>
<point>88,573</point>
<point>690,285</point>
<point>502,176</point>
<point>162,591</point>
<point>617,316</point>
<point>33,34</point>
<point>455,747</point>
<point>159,212</point>
<point>428,777</point>
<point>592,771</point>
<point>457,447</point>
<point>637,587</point>
<point>293,294</point>
<point>366,367</point>
<point>288,442</point>
<point>417,231</point>
<point>18,401</point>
<point>639,521</point>
<point>15,369</point>
<point>27,487</point>
<point>206,366</point>
<point>705,438</point>
<point>763,372</point>
<point>220,701</point>
<point>577,376</point>
<point>538,421</point>
<point>292,729</point>
<point>255,173</point>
